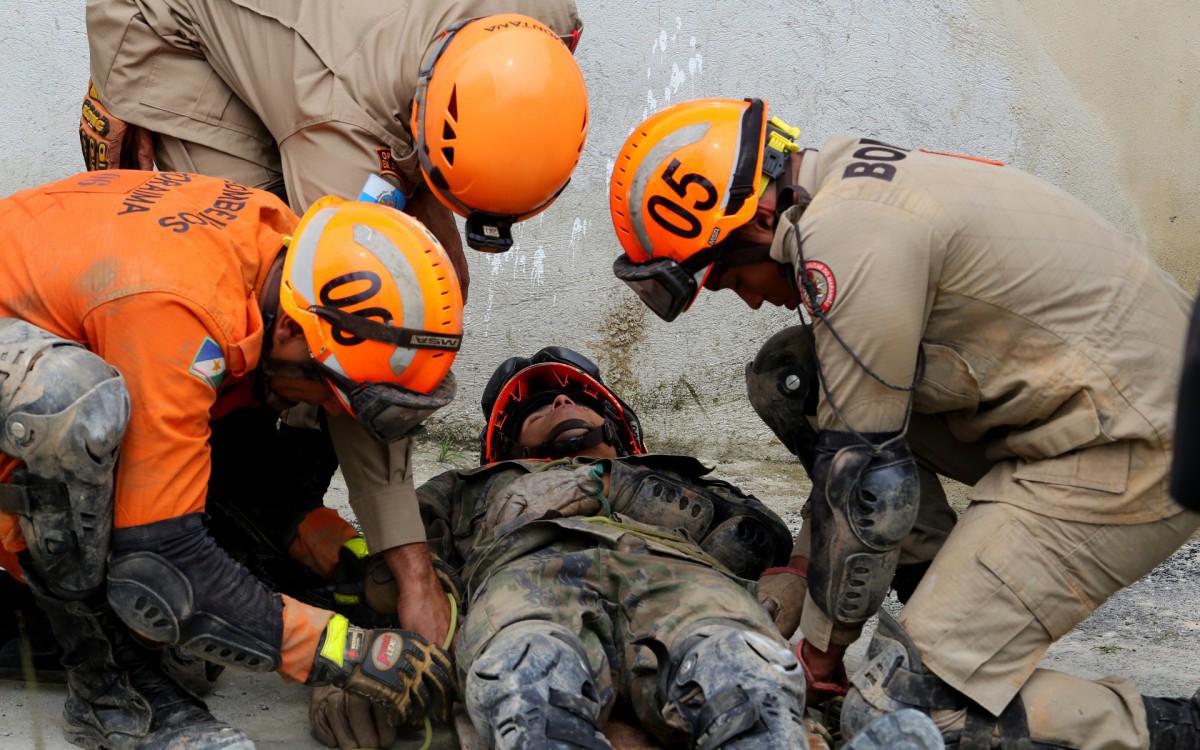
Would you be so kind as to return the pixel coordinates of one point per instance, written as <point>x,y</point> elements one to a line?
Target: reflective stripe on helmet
<point>412,297</point>
<point>304,253</point>
<point>654,159</point>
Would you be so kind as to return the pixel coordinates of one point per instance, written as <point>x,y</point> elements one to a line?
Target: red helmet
<point>521,385</point>
<point>499,119</point>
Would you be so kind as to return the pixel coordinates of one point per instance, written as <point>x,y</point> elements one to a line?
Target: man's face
<point>289,345</point>
<point>539,425</point>
<point>756,283</point>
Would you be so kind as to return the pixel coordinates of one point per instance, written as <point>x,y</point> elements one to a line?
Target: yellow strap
<point>446,645</point>
<point>358,546</point>
<point>333,647</point>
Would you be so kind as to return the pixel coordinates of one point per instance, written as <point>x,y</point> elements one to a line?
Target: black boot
<point>103,710</point>
<point>117,696</point>
<point>180,719</point>
<point>1174,723</point>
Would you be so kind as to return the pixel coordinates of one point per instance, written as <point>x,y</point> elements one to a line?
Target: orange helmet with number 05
<point>378,301</point>
<point>499,119</point>
<point>685,178</point>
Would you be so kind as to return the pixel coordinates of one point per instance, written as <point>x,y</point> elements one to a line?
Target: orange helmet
<point>685,178</point>
<point>499,118</point>
<point>377,298</point>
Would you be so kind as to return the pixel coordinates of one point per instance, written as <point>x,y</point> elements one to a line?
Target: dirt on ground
<point>1149,632</point>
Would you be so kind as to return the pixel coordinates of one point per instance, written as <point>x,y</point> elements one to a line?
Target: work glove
<point>819,693</point>
<point>392,668</point>
<point>348,721</point>
<point>781,591</point>
<point>552,493</point>
<point>111,143</point>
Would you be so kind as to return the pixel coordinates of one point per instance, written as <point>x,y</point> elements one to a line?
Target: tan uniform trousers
<point>1005,585</point>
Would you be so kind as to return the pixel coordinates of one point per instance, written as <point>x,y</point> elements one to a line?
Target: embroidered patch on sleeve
<point>209,364</point>
<point>824,282</point>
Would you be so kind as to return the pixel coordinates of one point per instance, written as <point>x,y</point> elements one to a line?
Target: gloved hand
<point>111,143</point>
<point>781,592</point>
<point>821,691</point>
<point>350,572</point>
<point>396,668</point>
<point>562,493</point>
<point>348,721</point>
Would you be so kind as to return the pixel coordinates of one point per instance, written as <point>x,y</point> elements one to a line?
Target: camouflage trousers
<point>610,597</point>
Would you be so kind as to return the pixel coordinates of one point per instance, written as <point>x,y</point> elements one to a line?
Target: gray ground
<point>1149,632</point>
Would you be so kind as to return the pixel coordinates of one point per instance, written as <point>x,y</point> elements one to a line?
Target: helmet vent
<point>452,107</point>
<point>448,132</point>
<point>448,153</point>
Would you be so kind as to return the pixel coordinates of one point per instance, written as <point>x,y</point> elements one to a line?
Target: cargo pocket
<point>206,98</point>
<point>1072,449</point>
<point>1037,578</point>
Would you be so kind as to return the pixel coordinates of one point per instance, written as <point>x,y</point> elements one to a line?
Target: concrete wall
<point>1097,96</point>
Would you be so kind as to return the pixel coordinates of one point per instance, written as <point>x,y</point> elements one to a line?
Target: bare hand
<point>421,603</point>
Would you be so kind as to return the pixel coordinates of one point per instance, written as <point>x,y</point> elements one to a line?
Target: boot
<point>103,711</point>
<point>181,720</point>
<point>193,674</point>
<point>1174,723</point>
<point>117,696</point>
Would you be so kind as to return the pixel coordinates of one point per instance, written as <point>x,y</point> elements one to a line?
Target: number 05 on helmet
<point>381,310</point>
<point>685,178</point>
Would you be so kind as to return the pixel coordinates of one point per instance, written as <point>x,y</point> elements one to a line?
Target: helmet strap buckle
<point>489,233</point>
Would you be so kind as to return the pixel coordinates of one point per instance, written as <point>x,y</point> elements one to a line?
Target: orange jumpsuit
<point>159,274</point>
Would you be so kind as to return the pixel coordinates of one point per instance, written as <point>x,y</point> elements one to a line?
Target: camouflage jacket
<point>481,518</point>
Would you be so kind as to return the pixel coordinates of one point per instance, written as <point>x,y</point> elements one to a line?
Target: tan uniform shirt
<point>318,90</point>
<point>1050,338</point>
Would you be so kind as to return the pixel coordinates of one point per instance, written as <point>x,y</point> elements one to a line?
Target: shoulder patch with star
<point>209,363</point>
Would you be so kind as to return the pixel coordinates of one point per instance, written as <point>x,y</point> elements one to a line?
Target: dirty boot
<point>193,674</point>
<point>103,711</point>
<point>181,720</point>
<point>1174,723</point>
<point>117,695</point>
<point>907,729</point>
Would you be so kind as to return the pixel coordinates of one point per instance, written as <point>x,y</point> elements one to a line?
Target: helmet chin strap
<point>552,447</point>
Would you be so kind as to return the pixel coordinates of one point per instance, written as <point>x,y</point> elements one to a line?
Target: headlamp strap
<point>781,141</point>
<point>373,330</point>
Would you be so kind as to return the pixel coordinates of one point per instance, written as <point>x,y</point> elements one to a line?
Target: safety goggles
<point>665,285</point>
<point>509,368</point>
<point>387,412</point>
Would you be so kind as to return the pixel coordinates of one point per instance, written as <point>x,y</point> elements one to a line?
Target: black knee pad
<point>734,687</point>
<point>170,582</point>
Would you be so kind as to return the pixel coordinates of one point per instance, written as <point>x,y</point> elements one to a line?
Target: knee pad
<point>533,687</point>
<point>63,411</point>
<point>864,503</point>
<point>170,582</point>
<point>733,687</point>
